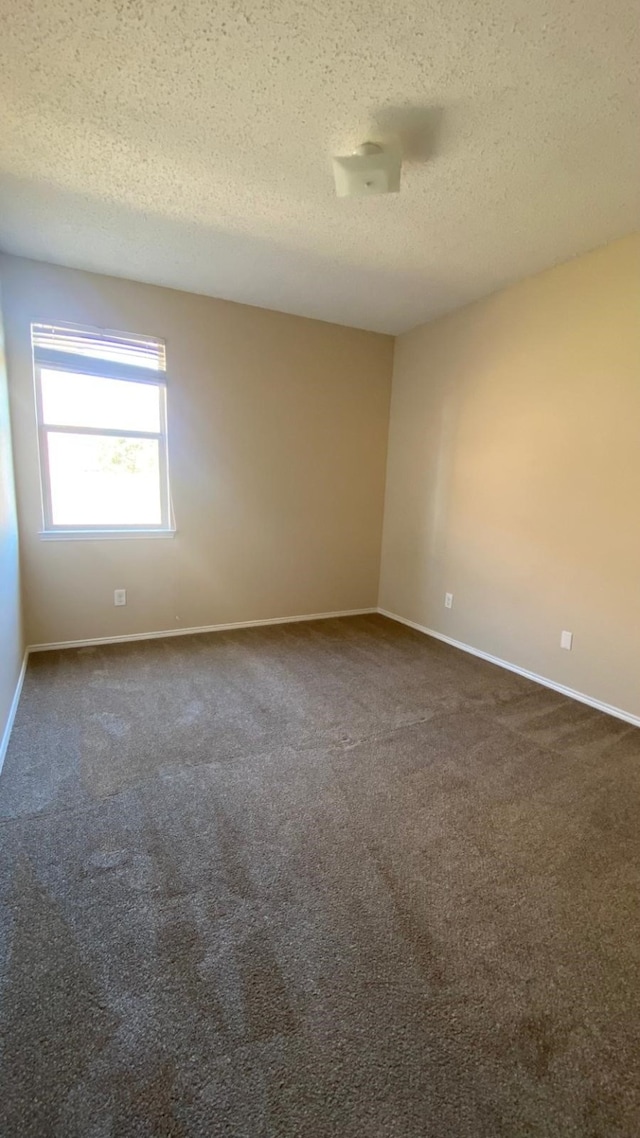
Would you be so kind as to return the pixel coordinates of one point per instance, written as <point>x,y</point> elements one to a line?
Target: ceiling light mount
<point>373,169</point>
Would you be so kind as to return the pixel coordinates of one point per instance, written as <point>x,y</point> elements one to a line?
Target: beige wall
<point>11,643</point>
<point>278,433</point>
<point>514,475</point>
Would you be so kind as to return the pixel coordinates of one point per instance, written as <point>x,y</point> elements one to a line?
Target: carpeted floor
<point>329,880</point>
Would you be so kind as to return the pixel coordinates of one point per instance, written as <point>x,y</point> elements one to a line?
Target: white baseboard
<point>190,631</point>
<point>6,734</point>
<point>599,705</point>
<point>618,712</point>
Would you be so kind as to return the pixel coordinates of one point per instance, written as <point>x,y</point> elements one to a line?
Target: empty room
<point>320,569</point>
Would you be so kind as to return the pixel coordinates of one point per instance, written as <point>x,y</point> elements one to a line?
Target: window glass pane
<point>72,400</point>
<point>102,480</point>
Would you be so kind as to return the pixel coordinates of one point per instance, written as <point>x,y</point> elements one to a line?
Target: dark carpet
<point>333,879</point>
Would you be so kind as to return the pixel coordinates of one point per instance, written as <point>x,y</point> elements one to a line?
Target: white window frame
<point>106,369</point>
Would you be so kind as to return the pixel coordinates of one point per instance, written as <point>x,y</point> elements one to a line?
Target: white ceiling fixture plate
<point>373,169</point>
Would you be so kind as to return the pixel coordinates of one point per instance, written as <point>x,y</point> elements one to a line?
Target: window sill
<point>103,534</point>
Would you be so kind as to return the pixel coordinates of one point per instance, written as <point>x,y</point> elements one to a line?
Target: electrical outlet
<point>448,600</point>
<point>566,640</point>
<point>119,597</point>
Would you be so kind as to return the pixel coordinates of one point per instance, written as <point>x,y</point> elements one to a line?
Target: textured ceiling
<point>189,144</point>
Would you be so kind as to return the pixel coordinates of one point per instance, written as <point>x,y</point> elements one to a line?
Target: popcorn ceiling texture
<point>189,145</point>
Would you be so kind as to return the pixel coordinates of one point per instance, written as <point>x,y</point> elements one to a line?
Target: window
<point>101,406</point>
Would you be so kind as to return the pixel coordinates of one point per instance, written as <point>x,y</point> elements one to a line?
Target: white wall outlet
<point>119,596</point>
<point>448,600</point>
<point>566,640</point>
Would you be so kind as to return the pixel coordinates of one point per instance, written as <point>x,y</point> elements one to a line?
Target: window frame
<point>106,369</point>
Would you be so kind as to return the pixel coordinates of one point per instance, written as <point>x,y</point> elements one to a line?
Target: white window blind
<point>95,352</point>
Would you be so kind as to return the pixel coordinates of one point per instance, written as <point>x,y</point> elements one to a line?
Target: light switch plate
<point>566,640</point>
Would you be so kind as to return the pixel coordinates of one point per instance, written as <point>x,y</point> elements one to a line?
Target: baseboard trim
<point>618,712</point>
<point>599,705</point>
<point>94,642</point>
<point>6,734</point>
